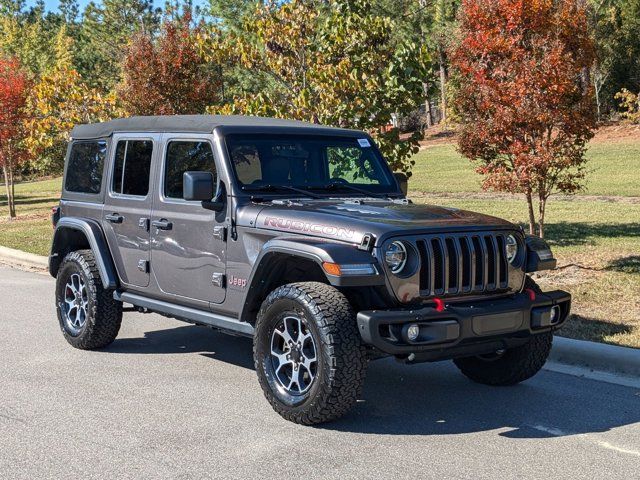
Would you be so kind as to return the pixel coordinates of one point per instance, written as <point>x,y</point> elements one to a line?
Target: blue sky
<point>52,5</point>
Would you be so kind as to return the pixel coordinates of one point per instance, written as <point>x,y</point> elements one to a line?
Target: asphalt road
<point>177,401</point>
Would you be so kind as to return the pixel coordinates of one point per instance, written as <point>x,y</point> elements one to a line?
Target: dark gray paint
<point>129,238</point>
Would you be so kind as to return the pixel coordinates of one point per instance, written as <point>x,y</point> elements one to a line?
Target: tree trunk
<point>427,104</point>
<point>532,217</point>
<point>597,92</point>
<point>8,183</point>
<point>443,83</point>
<point>541,210</point>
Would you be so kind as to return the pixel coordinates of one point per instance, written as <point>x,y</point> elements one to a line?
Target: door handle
<point>114,218</point>
<point>162,224</point>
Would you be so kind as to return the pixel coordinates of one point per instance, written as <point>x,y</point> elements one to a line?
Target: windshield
<point>310,163</point>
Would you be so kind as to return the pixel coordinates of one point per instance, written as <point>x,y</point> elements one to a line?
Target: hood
<point>349,220</point>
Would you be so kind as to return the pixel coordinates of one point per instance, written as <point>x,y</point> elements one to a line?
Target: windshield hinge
<point>367,242</point>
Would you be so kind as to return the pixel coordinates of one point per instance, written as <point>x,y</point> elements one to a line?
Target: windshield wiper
<point>272,188</point>
<point>348,186</point>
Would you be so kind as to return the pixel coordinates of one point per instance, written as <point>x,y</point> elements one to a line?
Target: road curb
<point>596,356</point>
<point>18,258</point>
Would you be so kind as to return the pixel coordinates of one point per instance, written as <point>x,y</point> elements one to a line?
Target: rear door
<point>188,241</point>
<point>127,208</point>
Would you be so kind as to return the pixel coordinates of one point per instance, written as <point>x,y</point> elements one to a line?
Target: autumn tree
<point>524,100</point>
<point>106,29</point>
<point>13,91</point>
<point>334,62</point>
<point>59,100</point>
<point>168,75</point>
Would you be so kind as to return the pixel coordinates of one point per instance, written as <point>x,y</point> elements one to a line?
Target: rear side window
<point>132,167</point>
<point>187,156</point>
<point>84,168</point>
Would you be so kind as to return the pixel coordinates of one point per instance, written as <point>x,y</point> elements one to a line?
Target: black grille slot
<point>459,264</point>
<point>480,258</point>
<point>491,262</point>
<point>465,256</point>
<point>425,285</point>
<point>452,257</point>
<point>502,259</point>
<point>438,266</point>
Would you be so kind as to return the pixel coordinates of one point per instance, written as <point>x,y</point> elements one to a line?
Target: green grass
<point>614,169</point>
<point>32,230</point>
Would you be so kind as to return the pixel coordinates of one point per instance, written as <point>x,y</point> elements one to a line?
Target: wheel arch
<point>283,261</point>
<point>78,234</point>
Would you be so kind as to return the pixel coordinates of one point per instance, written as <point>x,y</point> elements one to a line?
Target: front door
<point>127,208</point>
<point>188,242</point>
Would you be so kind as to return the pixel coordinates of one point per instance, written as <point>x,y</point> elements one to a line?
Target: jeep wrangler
<point>300,237</point>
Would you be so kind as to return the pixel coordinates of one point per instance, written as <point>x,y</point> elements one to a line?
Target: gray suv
<point>300,237</point>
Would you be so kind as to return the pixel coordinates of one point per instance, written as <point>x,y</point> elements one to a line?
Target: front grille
<point>463,263</point>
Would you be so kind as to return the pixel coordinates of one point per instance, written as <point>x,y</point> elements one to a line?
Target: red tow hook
<point>532,294</point>
<point>439,304</point>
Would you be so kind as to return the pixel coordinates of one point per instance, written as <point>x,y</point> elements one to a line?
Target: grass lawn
<point>31,231</point>
<point>596,240</point>
<point>614,169</point>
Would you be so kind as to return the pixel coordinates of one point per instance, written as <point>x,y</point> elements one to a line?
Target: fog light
<point>413,332</point>
<point>554,316</point>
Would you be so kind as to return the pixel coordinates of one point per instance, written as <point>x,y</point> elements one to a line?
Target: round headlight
<point>512,248</point>
<point>395,256</point>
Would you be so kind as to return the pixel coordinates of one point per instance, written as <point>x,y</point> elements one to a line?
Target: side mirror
<point>199,186</point>
<point>403,182</point>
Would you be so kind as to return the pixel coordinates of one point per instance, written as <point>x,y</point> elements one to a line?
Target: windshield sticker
<point>364,142</point>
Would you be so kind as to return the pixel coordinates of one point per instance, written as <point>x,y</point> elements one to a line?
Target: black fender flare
<point>318,251</point>
<point>539,255</point>
<point>97,243</point>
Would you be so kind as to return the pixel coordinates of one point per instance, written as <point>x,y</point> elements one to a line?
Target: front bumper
<point>464,328</point>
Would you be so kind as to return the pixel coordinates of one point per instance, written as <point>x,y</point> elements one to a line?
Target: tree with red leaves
<point>13,95</point>
<point>168,75</point>
<point>524,96</point>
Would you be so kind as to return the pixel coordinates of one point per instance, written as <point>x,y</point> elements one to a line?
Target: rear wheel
<point>307,353</point>
<point>513,365</point>
<point>89,317</point>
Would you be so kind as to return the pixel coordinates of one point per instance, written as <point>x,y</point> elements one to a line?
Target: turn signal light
<point>332,268</point>
<point>349,269</point>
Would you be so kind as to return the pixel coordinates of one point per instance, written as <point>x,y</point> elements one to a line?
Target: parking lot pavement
<point>172,400</point>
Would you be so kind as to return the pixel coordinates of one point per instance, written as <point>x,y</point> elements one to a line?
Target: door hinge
<point>220,232</point>
<point>217,279</point>
<point>143,266</point>
<point>144,223</point>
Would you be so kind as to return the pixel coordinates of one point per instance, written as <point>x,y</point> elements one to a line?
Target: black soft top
<point>192,124</point>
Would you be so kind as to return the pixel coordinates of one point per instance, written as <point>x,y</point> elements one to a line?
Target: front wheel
<point>307,353</point>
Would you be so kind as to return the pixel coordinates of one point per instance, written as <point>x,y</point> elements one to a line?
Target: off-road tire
<point>341,364</point>
<point>104,314</point>
<point>515,365</point>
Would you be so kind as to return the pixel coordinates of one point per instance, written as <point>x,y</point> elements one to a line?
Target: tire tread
<point>335,319</point>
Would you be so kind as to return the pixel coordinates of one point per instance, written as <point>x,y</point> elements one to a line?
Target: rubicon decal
<point>317,228</point>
